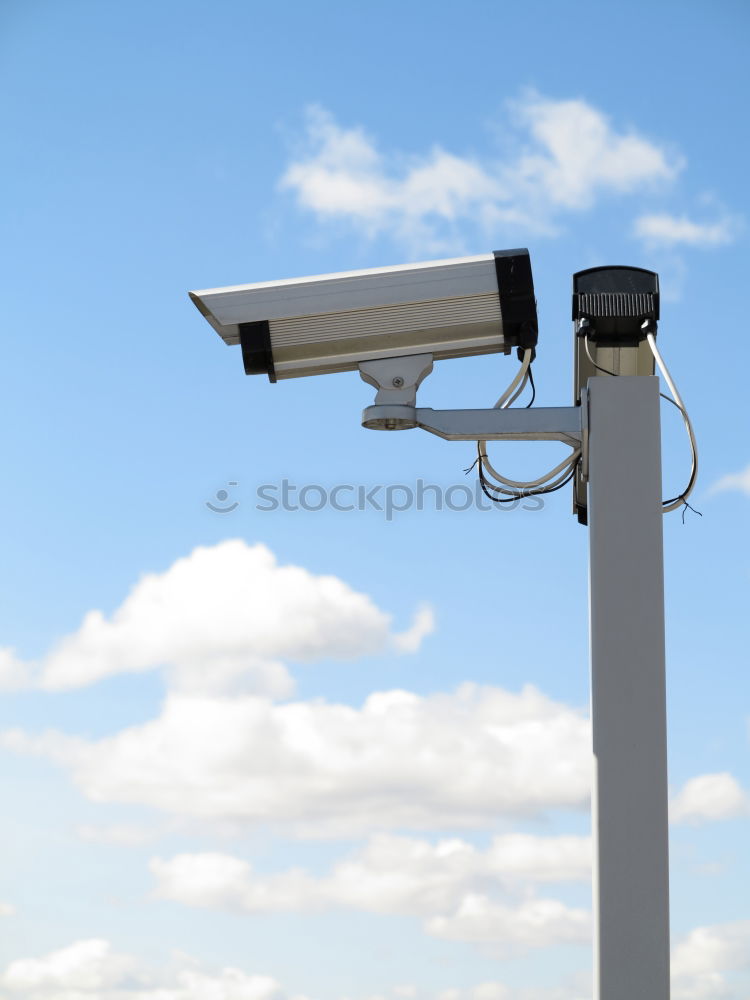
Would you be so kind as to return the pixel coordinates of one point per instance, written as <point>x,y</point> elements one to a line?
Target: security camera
<point>334,322</point>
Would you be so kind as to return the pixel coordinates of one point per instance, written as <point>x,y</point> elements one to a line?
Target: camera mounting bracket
<point>397,381</point>
<point>395,409</point>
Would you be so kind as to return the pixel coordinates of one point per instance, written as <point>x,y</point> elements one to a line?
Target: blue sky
<point>250,755</point>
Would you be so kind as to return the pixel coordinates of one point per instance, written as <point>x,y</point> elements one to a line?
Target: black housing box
<point>620,304</point>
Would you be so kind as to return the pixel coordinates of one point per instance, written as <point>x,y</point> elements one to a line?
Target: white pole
<point>626,580</point>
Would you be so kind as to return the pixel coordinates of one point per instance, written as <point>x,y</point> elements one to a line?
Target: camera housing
<point>333,322</point>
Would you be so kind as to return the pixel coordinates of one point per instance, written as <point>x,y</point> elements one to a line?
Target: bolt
<point>397,382</point>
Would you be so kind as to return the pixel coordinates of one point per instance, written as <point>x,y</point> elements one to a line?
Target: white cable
<point>679,502</point>
<point>566,464</point>
<point>504,399</point>
<point>547,481</point>
<point>547,488</point>
<point>530,489</point>
<point>519,390</point>
<point>513,391</point>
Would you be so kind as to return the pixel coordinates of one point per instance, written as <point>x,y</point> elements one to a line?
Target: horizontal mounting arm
<point>551,423</point>
<point>397,381</point>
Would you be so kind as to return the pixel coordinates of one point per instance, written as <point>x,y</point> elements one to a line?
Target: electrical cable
<point>564,471</point>
<point>520,374</point>
<point>528,490</point>
<point>514,497</point>
<point>533,389</point>
<point>528,379</point>
<point>487,467</point>
<point>681,499</point>
<point>519,390</point>
<point>606,371</point>
<point>547,483</point>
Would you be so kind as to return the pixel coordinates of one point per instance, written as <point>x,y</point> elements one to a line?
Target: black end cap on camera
<point>257,357</point>
<point>515,287</point>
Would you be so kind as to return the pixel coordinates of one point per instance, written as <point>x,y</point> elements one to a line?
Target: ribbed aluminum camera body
<point>333,322</point>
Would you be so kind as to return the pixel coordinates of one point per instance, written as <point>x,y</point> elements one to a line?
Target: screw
<point>397,382</point>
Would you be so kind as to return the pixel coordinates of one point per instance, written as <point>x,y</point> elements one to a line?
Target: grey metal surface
<point>629,807</point>
<point>312,295</point>
<point>618,360</point>
<point>397,381</point>
<point>551,423</point>
<point>352,305</point>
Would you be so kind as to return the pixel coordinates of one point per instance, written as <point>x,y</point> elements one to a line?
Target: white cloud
<point>739,481</point>
<point>440,883</point>
<point>222,618</point>
<point>579,154</point>
<point>491,991</point>
<point>575,987</point>
<point>7,909</point>
<point>324,769</point>
<point>662,229</point>
<point>91,970</point>
<point>705,964</point>
<point>411,639</point>
<point>14,673</point>
<point>124,835</point>
<point>709,797</point>
<point>344,176</point>
<point>700,960</point>
<point>505,930</point>
<point>391,874</point>
<point>87,966</point>
<point>568,154</point>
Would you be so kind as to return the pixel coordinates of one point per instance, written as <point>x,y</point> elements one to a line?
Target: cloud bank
<point>223,618</point>
<point>391,874</point>
<point>709,963</point>
<point>567,156</point>
<point>323,769</point>
<point>91,970</point>
<point>452,885</point>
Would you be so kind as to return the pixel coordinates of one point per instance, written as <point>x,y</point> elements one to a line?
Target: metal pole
<point>626,580</point>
